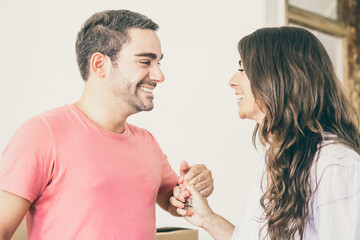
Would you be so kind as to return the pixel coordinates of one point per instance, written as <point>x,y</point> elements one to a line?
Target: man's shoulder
<point>54,113</point>
<point>47,120</point>
<point>139,131</point>
<point>41,118</point>
<point>38,129</point>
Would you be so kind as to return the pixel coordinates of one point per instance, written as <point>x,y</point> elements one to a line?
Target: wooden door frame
<point>346,27</point>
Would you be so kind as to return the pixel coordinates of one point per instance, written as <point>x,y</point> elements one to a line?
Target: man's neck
<point>106,114</point>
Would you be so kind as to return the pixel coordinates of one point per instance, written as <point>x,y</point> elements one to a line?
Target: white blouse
<point>335,206</point>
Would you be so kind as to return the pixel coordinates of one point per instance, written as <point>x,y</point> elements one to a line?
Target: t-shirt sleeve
<point>27,160</point>
<point>169,177</point>
<point>338,213</point>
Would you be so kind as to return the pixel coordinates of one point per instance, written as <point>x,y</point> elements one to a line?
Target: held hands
<point>198,212</point>
<point>189,200</point>
<point>195,184</point>
<point>199,176</point>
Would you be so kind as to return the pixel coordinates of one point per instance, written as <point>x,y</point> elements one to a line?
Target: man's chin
<point>148,109</point>
<point>144,108</point>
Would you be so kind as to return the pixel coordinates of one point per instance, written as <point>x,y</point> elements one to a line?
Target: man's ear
<point>99,64</point>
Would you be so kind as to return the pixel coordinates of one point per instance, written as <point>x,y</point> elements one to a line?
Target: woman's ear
<point>98,64</point>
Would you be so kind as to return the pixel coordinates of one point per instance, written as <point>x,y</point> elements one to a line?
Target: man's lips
<point>147,89</point>
<point>147,86</point>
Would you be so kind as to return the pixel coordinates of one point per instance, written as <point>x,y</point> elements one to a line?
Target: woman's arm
<point>200,214</point>
<point>218,227</point>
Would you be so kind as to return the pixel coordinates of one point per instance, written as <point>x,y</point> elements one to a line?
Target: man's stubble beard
<point>130,96</point>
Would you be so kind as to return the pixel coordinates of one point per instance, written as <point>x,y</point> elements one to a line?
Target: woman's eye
<point>241,69</point>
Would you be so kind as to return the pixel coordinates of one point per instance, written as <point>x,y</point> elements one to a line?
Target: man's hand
<point>197,175</point>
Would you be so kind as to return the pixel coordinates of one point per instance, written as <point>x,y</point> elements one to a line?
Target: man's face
<point>138,72</point>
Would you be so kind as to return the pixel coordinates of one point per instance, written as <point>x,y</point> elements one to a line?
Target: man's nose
<point>156,74</point>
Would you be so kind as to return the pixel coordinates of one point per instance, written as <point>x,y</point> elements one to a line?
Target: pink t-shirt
<point>85,182</point>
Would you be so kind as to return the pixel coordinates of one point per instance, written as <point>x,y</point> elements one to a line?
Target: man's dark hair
<point>106,32</point>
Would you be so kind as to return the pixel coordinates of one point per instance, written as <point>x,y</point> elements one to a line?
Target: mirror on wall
<point>334,47</point>
<point>326,8</point>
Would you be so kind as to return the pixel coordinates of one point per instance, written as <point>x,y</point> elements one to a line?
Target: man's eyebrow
<point>150,55</point>
<point>239,62</point>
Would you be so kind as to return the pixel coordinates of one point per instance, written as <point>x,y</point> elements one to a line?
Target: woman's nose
<point>234,80</point>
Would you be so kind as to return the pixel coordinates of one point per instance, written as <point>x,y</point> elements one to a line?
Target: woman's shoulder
<point>333,152</point>
<point>335,183</point>
<point>336,172</point>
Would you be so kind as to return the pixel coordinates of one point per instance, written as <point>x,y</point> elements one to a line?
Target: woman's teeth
<point>241,96</point>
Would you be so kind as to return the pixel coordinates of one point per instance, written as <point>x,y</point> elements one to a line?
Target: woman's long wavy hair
<point>293,81</point>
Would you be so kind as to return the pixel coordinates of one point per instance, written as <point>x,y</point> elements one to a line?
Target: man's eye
<point>147,63</point>
<point>241,69</point>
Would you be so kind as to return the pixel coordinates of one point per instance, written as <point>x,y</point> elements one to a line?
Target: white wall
<point>195,116</point>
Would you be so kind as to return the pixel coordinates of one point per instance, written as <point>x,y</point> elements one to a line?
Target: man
<point>81,171</point>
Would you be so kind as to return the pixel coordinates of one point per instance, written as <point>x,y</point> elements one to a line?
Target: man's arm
<point>163,200</point>
<point>12,210</point>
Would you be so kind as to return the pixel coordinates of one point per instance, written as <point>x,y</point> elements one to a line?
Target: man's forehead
<point>143,43</point>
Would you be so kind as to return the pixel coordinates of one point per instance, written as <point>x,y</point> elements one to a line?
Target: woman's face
<point>248,108</point>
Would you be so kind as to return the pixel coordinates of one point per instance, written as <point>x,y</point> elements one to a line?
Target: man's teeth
<point>146,89</point>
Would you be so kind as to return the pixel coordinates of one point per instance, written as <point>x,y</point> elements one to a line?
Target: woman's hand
<point>199,212</point>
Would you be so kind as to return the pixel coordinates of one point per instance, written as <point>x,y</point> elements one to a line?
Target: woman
<point>311,182</point>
